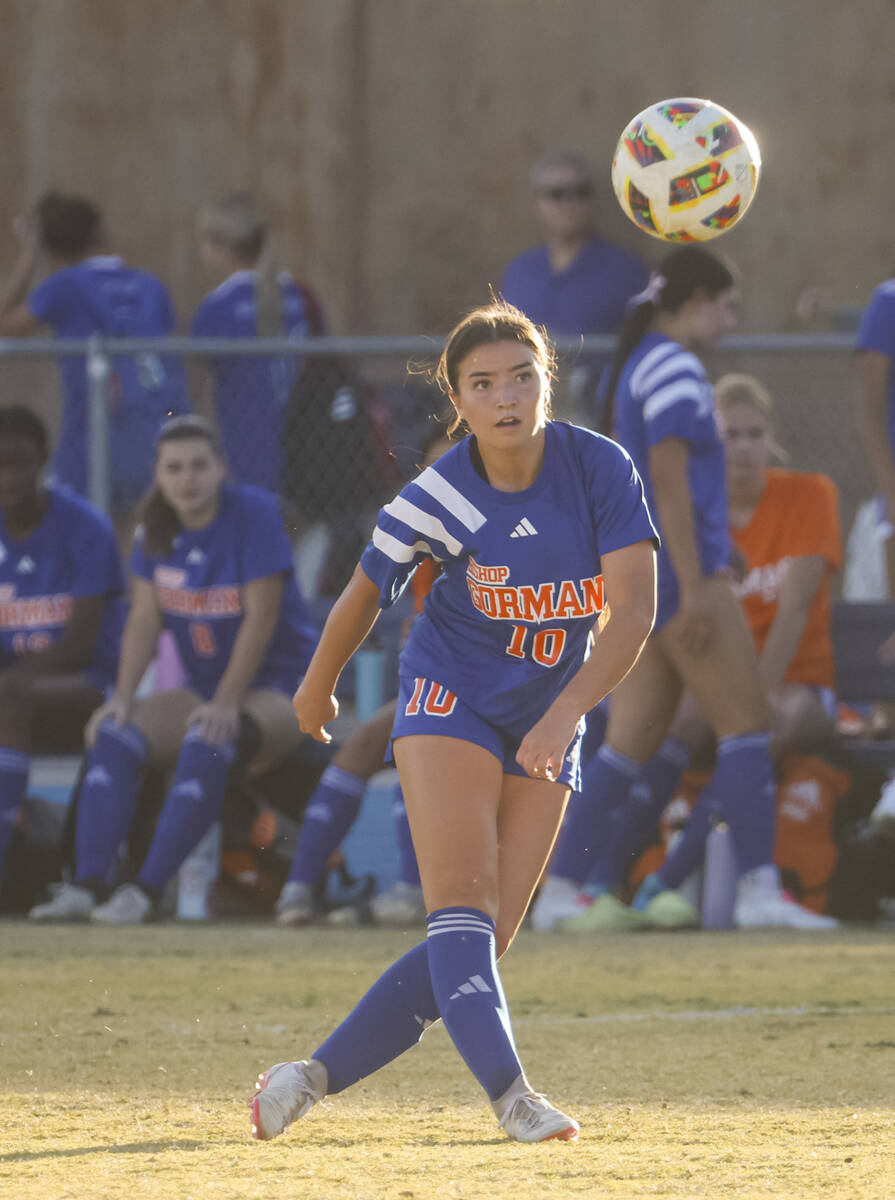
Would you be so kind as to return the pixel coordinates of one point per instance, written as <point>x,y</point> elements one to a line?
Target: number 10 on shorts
<point>544,647</point>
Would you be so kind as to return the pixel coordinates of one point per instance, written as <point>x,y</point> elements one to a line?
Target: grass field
<point>699,1065</point>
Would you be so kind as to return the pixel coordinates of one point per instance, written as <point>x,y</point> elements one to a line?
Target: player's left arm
<point>261,602</point>
<point>804,575</point>
<point>75,648</point>
<point>629,578</point>
<point>16,317</point>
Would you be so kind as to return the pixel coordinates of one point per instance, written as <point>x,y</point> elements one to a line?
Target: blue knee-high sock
<point>408,868</point>
<point>14,765</point>
<point>469,995</point>
<point>744,786</point>
<point>689,850</point>
<point>388,1020</point>
<point>108,799</point>
<point>606,783</point>
<point>191,806</point>
<point>331,812</point>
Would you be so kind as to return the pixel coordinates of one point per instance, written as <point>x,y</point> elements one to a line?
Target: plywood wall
<point>392,138</point>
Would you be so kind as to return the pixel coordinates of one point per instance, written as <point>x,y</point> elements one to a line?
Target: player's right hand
<point>314,711</point>
<point>115,710</point>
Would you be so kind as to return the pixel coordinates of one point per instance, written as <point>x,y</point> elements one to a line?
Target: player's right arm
<point>350,620</point>
<point>138,646</point>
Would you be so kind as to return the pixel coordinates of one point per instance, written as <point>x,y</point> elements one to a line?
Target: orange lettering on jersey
<point>487,574</point>
<point>566,600</point>
<point>36,611</point>
<point>412,707</point>
<point>221,601</point>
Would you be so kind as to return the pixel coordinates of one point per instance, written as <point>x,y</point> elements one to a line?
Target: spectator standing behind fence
<point>212,563</point>
<point>575,281</point>
<point>60,614</point>
<point>89,291</point>
<point>252,298</point>
<point>876,370</point>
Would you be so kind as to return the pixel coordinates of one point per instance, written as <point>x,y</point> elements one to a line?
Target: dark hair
<point>159,520</point>
<point>69,225</point>
<point>682,273</point>
<point>18,421</point>
<point>496,322</point>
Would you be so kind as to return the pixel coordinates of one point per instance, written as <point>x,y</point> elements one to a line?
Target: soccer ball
<point>685,170</point>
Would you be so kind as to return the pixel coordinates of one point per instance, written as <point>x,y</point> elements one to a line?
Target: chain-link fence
<point>336,425</point>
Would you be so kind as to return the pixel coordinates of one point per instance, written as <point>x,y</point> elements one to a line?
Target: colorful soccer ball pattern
<point>685,170</point>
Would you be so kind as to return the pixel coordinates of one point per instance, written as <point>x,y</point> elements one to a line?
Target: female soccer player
<point>212,563</point>
<point>60,580</point>
<point>531,520</point>
<point>664,413</point>
<point>251,298</point>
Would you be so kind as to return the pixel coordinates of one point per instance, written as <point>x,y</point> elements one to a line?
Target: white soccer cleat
<point>284,1094</point>
<point>128,905</point>
<point>882,819</point>
<point>69,903</point>
<point>558,901</point>
<point>760,904</point>
<point>401,904</point>
<point>295,905</point>
<point>527,1116</point>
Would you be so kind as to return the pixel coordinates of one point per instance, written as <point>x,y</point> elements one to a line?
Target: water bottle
<point>196,875</point>
<point>369,679</point>
<point>720,879</point>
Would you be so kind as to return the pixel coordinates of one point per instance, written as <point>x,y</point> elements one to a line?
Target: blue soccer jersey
<point>664,392</point>
<point>199,590</point>
<point>877,333</point>
<point>71,554</point>
<point>102,295</point>
<point>251,393</point>
<point>507,624</point>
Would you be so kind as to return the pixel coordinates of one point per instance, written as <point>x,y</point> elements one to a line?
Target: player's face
<point>711,317</point>
<point>747,442</point>
<point>501,394</point>
<point>564,201</point>
<point>189,475</point>
<point>21,464</point>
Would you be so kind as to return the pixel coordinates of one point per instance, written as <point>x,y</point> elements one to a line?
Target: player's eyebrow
<point>518,367</point>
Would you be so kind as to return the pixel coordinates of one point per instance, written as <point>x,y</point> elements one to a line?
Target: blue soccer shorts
<point>427,707</point>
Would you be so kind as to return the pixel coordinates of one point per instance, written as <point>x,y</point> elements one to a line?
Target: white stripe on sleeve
<point>681,391</point>
<point>398,551</point>
<point>422,522</point>
<point>448,496</point>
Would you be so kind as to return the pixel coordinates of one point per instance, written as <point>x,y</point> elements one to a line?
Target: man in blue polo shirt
<point>576,281</point>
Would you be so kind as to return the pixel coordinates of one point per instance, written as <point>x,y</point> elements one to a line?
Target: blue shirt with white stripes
<point>664,392</point>
<point>508,622</point>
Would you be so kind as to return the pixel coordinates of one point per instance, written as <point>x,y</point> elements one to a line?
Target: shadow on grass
<point>156,1147</point>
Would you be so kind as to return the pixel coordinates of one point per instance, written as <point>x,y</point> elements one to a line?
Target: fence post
<point>99,486</point>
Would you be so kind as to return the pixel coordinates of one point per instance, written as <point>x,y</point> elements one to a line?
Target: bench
<point>859,629</point>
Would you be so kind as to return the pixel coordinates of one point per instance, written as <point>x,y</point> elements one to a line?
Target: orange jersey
<point>798,514</point>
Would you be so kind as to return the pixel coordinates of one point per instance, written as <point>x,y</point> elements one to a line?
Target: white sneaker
<point>128,905</point>
<point>401,904</point>
<point>761,904</point>
<point>882,819</point>
<point>557,901</point>
<point>69,903</point>
<point>527,1116</point>
<point>295,905</point>
<point>283,1094</point>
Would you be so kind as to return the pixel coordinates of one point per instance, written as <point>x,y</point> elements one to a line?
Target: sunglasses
<point>570,191</point>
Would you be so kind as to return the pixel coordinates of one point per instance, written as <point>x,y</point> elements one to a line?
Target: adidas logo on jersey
<point>195,556</point>
<point>26,566</point>
<point>473,985</point>
<point>98,776</point>
<point>524,529</point>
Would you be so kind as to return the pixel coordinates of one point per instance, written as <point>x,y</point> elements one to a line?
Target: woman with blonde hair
<point>252,298</point>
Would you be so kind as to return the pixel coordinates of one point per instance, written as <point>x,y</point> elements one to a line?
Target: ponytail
<point>237,223</point>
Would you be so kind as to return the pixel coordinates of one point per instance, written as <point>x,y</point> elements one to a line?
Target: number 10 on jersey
<point>544,647</point>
